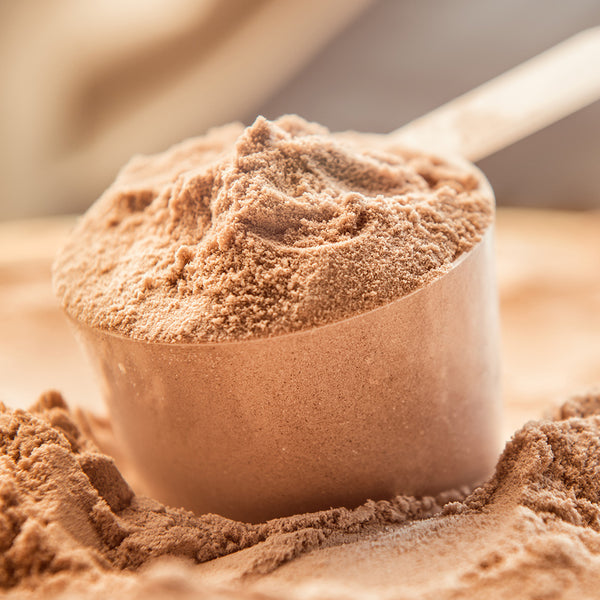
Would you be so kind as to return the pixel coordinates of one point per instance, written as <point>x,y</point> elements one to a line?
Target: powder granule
<point>263,231</point>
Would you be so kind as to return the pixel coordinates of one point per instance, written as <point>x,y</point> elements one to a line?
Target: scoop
<point>400,399</point>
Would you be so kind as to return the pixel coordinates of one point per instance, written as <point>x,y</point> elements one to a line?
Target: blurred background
<point>88,84</point>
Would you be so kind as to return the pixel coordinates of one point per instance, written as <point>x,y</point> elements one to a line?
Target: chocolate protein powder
<point>262,231</point>
<point>71,527</point>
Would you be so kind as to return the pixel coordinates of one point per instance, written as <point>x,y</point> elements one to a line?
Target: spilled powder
<point>71,527</point>
<point>266,230</point>
<point>65,508</point>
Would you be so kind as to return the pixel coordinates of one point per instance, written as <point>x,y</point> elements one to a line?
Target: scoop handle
<point>512,106</point>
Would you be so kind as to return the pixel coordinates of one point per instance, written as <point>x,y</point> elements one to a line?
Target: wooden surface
<point>549,282</point>
<point>37,349</point>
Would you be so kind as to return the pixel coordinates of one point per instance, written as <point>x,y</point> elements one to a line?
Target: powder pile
<point>68,519</point>
<point>262,231</point>
<point>65,508</point>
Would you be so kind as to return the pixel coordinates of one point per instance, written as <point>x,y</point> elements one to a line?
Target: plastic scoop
<point>400,399</point>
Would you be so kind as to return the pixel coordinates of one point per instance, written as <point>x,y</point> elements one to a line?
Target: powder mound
<point>263,231</point>
<point>65,509</point>
<point>532,531</point>
<point>552,467</point>
<point>544,504</point>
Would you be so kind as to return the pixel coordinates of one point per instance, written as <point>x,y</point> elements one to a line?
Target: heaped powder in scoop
<point>262,231</point>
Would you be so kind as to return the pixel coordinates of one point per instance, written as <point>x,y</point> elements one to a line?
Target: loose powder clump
<point>266,230</point>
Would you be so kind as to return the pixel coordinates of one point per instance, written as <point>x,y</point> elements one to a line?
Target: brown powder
<point>531,532</point>
<point>263,231</point>
<point>68,519</point>
<point>65,509</point>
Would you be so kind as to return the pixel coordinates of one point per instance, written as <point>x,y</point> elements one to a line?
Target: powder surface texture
<point>71,527</point>
<point>262,231</point>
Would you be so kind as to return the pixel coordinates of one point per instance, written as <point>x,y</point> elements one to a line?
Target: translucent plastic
<point>401,399</point>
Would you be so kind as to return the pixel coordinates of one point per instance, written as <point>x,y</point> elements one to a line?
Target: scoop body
<point>403,399</point>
